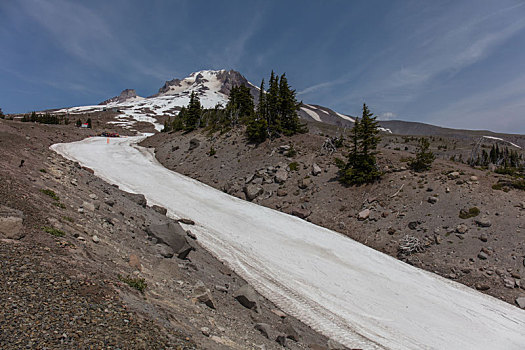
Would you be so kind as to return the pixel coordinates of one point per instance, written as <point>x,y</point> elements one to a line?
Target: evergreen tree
<point>78,123</point>
<point>167,125</point>
<point>178,121</point>
<point>2,114</point>
<point>89,123</point>
<point>240,105</point>
<point>257,125</point>
<point>261,106</point>
<point>193,113</point>
<point>288,107</point>
<point>272,106</point>
<point>361,166</point>
<point>257,129</point>
<point>424,157</point>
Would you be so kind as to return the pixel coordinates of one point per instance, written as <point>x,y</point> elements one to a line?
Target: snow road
<point>343,289</point>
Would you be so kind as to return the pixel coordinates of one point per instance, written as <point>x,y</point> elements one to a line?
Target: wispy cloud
<point>387,116</point>
<point>500,108</point>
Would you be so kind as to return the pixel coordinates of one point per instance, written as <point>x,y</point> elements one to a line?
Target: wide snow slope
<point>354,294</point>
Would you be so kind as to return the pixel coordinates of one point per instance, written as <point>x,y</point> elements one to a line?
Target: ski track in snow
<point>343,289</point>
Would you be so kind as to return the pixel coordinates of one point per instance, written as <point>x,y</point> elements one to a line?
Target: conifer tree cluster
<point>361,167</point>
<point>2,116</point>
<point>276,112</point>
<point>274,115</point>
<point>45,118</point>
<point>502,157</point>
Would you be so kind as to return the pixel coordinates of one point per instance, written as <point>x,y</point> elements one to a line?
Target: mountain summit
<point>216,81</point>
<point>212,87</point>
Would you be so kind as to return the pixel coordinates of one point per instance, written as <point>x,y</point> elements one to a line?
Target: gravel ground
<point>43,307</point>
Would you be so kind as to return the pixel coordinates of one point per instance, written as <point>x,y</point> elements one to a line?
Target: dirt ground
<point>485,252</point>
<point>83,250</point>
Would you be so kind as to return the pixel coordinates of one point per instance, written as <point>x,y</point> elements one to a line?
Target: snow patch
<point>500,139</point>
<point>345,117</point>
<point>312,114</point>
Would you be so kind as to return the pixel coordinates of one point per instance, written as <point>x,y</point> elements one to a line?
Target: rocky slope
<point>89,265</point>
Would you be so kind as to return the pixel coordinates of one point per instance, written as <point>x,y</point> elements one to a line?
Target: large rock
<point>88,206</point>
<point>159,209</point>
<point>363,215</point>
<point>248,297</point>
<point>454,175</point>
<point>333,345</point>
<point>11,223</point>
<point>461,228</point>
<point>304,183</point>
<point>172,235</point>
<point>203,295</point>
<point>164,250</point>
<point>301,213</point>
<point>316,169</point>
<point>137,198</point>
<point>484,222</point>
<point>432,200</point>
<point>281,193</point>
<point>483,256</point>
<point>292,333</point>
<point>520,301</point>
<point>281,176</point>
<point>264,329</point>
<point>252,191</point>
<point>194,143</point>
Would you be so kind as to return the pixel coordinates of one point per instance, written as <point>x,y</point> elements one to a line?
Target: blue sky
<point>452,63</point>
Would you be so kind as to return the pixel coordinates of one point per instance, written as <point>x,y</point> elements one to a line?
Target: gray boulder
<point>172,235</point>
<point>316,169</point>
<point>454,175</point>
<point>248,297</point>
<point>483,256</point>
<point>520,301</point>
<point>301,213</point>
<point>333,345</point>
<point>292,333</point>
<point>194,143</point>
<point>432,200</point>
<point>203,295</point>
<point>252,191</point>
<point>461,228</point>
<point>88,206</point>
<point>484,222</point>
<point>164,250</point>
<point>137,198</point>
<point>281,176</point>
<point>304,183</point>
<point>363,215</point>
<point>264,329</point>
<point>159,209</point>
<point>281,340</point>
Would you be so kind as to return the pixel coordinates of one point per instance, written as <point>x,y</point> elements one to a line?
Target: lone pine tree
<point>361,166</point>
<point>424,157</point>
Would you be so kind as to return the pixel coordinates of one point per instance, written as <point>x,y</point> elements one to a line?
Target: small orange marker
<point>108,141</point>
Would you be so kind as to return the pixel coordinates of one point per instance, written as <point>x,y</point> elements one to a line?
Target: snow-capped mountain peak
<point>212,87</point>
